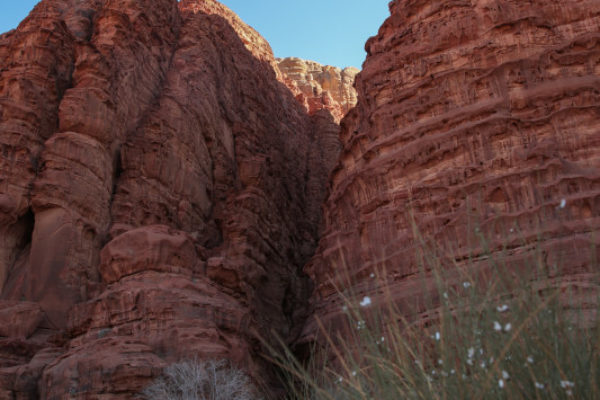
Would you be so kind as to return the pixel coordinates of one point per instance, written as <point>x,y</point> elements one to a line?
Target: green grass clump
<point>496,335</point>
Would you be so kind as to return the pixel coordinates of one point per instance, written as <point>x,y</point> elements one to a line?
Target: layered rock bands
<point>475,118</point>
<point>160,192</point>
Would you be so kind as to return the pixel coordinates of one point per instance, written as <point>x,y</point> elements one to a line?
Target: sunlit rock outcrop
<point>319,86</point>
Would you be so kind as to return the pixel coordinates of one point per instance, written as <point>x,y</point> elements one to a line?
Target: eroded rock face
<point>253,41</point>
<point>160,191</point>
<point>319,86</point>
<point>473,118</point>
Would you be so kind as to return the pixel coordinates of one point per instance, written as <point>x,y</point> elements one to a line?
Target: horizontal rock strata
<point>474,118</point>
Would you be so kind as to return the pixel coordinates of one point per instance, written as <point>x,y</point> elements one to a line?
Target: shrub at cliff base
<point>505,335</point>
<point>201,380</point>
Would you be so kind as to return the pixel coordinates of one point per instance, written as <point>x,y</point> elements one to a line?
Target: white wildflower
<point>482,365</point>
<point>445,294</point>
<point>501,383</point>
<point>539,385</point>
<point>566,384</point>
<point>466,284</point>
<point>353,373</point>
<point>437,336</point>
<point>372,275</point>
<point>440,361</point>
<point>471,352</point>
<point>505,375</point>
<point>361,325</point>
<point>507,327</point>
<point>502,308</point>
<point>497,326</point>
<point>452,371</point>
<point>365,301</point>
<point>563,203</point>
<point>530,359</point>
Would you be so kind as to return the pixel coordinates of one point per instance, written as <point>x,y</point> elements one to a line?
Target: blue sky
<point>330,32</point>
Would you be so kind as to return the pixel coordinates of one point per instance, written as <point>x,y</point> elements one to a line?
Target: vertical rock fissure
<point>138,129</point>
<point>21,233</point>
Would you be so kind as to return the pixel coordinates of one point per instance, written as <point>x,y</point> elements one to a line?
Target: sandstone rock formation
<point>319,86</point>
<point>160,192</point>
<point>315,86</point>
<point>473,118</point>
<point>253,41</point>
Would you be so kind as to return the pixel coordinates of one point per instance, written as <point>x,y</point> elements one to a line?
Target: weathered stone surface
<point>160,192</point>
<point>319,86</point>
<point>19,319</point>
<point>473,118</point>
<point>21,381</point>
<point>152,248</point>
<point>33,80</point>
<point>109,368</point>
<point>253,41</point>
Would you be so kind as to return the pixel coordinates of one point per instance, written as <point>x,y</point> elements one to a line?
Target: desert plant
<point>201,380</point>
<point>513,334</point>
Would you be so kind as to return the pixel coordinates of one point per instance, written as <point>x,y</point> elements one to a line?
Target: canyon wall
<point>160,192</point>
<point>319,86</point>
<point>474,119</point>
<point>162,176</point>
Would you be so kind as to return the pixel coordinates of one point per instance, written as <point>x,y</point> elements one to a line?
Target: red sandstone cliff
<point>472,115</point>
<point>160,192</point>
<point>253,41</point>
<point>160,188</point>
<point>319,86</point>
